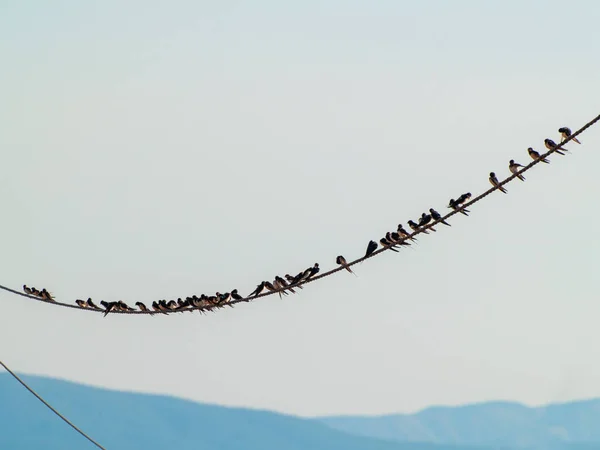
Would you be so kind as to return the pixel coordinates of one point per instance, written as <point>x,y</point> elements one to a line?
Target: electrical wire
<point>337,269</point>
<point>50,407</point>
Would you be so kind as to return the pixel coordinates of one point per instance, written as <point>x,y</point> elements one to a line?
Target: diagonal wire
<point>337,269</point>
<point>50,407</point>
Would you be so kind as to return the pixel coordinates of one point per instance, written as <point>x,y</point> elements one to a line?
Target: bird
<point>156,307</point>
<point>313,270</point>
<point>551,145</point>
<point>91,304</point>
<point>535,156</point>
<point>235,295</point>
<point>142,307</point>
<point>387,244</point>
<point>342,262</point>
<point>124,306</point>
<point>436,216</point>
<point>397,239</point>
<point>371,247</point>
<point>81,303</point>
<point>424,220</point>
<point>172,305</point>
<point>566,133</point>
<point>46,295</point>
<point>413,226</point>
<point>514,168</point>
<point>463,198</point>
<point>282,284</point>
<point>404,234</point>
<point>270,286</point>
<point>258,290</point>
<point>108,307</point>
<point>494,181</point>
<point>292,280</point>
<point>457,207</point>
<point>27,290</point>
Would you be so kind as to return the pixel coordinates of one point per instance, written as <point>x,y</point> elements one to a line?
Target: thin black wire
<point>337,269</point>
<point>50,407</point>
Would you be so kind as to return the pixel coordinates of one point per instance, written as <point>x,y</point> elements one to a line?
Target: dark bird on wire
<point>312,271</point>
<point>342,262</point>
<point>457,207</point>
<point>514,169</point>
<point>424,220</point>
<point>142,307</point>
<point>387,244</point>
<point>535,155</point>
<point>282,284</point>
<point>108,307</point>
<point>463,198</point>
<point>91,304</point>
<point>415,227</point>
<point>494,181</point>
<point>81,303</point>
<point>258,290</point>
<point>46,295</point>
<point>371,247</point>
<point>124,306</point>
<point>27,290</point>
<point>292,280</point>
<point>551,145</point>
<point>436,216</point>
<point>404,234</point>
<point>565,132</point>
<point>235,295</point>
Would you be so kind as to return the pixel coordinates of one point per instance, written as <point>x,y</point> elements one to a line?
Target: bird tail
<point>502,189</point>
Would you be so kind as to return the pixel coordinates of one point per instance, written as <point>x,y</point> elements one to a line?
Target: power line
<point>50,407</point>
<point>337,269</point>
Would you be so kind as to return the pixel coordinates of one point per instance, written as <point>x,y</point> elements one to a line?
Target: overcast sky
<point>160,149</point>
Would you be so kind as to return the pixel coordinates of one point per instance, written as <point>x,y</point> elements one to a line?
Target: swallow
<point>313,271</point>
<point>463,198</point>
<point>514,168</point>
<point>415,227</point>
<point>301,275</point>
<point>172,305</point>
<point>436,216</point>
<point>235,295</point>
<point>397,239</point>
<point>46,295</point>
<point>424,220</point>
<point>494,181</point>
<point>270,286</point>
<point>457,207</point>
<point>182,304</point>
<point>108,307</point>
<point>292,280</point>
<point>565,132</point>
<point>81,303</point>
<point>91,304</point>
<point>27,290</point>
<point>162,304</point>
<point>371,247</point>
<point>156,306</point>
<point>124,306</point>
<point>142,307</point>
<point>535,156</point>
<point>551,145</point>
<point>258,290</point>
<point>342,262</point>
<point>283,284</point>
<point>404,234</point>
<point>387,244</point>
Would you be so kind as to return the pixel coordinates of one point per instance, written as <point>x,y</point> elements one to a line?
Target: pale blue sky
<point>158,149</point>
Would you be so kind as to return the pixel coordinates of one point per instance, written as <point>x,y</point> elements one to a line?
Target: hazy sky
<point>159,149</point>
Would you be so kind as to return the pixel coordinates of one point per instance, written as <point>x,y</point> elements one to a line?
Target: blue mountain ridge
<point>124,420</point>
<point>574,425</point>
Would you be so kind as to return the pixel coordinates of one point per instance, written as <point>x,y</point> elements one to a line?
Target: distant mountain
<point>571,426</point>
<point>123,421</point>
